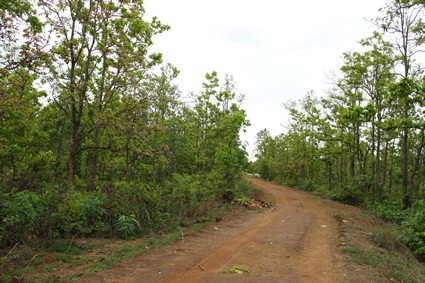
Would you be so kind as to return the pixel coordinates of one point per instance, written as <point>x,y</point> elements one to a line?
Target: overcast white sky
<point>275,50</point>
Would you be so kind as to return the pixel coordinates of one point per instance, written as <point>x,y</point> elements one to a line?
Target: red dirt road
<point>293,242</point>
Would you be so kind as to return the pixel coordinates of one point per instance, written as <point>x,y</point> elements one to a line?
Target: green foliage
<point>244,200</point>
<point>390,210</point>
<point>187,192</point>
<point>22,9</point>
<point>69,247</point>
<point>347,195</point>
<point>80,212</point>
<point>112,149</point>
<point>21,213</point>
<point>127,225</point>
<point>413,228</point>
<point>411,221</point>
<point>307,185</point>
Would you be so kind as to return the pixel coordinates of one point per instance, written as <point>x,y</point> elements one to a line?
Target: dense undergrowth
<point>126,210</point>
<point>81,223</point>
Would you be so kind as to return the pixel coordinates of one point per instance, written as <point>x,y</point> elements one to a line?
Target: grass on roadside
<point>65,259</point>
<point>381,249</point>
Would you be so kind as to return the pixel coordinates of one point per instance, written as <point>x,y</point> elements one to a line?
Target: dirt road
<point>292,242</point>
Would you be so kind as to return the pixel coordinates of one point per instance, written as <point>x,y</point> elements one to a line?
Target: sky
<point>275,50</point>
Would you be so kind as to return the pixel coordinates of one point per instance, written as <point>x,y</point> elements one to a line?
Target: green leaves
<point>219,119</point>
<point>20,212</point>
<point>22,9</point>
<point>113,150</point>
<point>127,225</point>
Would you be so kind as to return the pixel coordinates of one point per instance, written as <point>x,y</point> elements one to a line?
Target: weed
<point>401,269</point>
<point>63,258</point>
<point>367,258</point>
<point>350,250</point>
<point>243,200</point>
<point>238,270</point>
<point>65,246</point>
<point>127,225</point>
<point>394,266</point>
<point>235,269</point>
<point>388,237</point>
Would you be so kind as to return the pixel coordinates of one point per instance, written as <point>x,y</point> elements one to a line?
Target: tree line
<point>95,137</point>
<point>363,141</point>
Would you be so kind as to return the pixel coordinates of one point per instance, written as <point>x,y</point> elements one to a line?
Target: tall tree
<point>100,53</point>
<point>402,19</point>
<point>370,73</point>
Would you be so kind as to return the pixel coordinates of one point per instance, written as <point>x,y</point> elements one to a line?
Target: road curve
<point>293,242</point>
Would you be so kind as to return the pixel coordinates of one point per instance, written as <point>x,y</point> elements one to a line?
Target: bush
<point>307,185</point>
<point>20,212</point>
<point>413,228</point>
<point>187,193</point>
<point>390,210</point>
<point>347,194</point>
<point>127,225</point>
<point>81,212</point>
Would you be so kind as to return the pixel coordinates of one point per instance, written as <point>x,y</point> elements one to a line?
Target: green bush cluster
<point>413,228</point>
<point>21,213</point>
<point>390,210</point>
<point>347,194</point>
<point>411,222</point>
<point>123,209</point>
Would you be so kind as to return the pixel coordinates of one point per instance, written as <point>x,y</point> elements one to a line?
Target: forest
<point>95,137</point>
<point>362,142</point>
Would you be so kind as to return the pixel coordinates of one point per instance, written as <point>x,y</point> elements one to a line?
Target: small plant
<point>66,246</point>
<point>127,225</point>
<point>390,210</point>
<point>238,270</point>
<point>243,200</point>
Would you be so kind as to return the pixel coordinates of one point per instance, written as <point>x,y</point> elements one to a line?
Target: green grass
<point>359,256</point>
<point>395,266</point>
<point>383,250</point>
<point>70,256</point>
<point>402,269</point>
<point>389,238</point>
<point>67,246</point>
<point>47,263</point>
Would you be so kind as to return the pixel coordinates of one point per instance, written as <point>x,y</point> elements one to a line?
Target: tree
<point>402,20</point>
<point>22,57</point>
<point>370,73</point>
<point>101,54</point>
<point>219,119</point>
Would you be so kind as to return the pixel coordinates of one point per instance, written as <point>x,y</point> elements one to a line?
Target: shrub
<point>347,194</point>
<point>127,225</point>
<point>390,210</point>
<point>187,193</point>
<point>81,212</point>
<point>307,185</point>
<point>413,228</point>
<point>20,212</point>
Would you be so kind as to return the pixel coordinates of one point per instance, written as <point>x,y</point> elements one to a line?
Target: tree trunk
<point>416,165</point>
<point>72,161</point>
<point>405,162</point>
